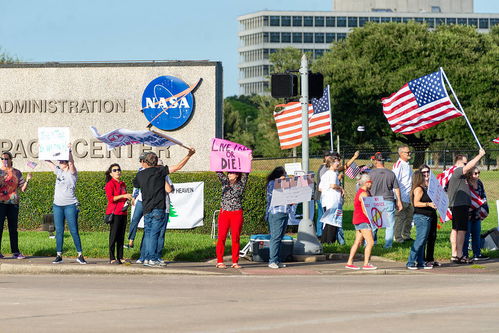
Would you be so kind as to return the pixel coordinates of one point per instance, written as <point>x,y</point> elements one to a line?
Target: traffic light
<point>283,85</point>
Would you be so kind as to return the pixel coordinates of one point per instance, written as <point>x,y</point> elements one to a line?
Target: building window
<point>382,10</point>
<point>419,20</point>
<point>308,37</point>
<point>374,19</point>
<point>319,21</point>
<point>462,21</point>
<point>385,19</point>
<point>309,51</point>
<point>435,9</point>
<point>286,21</point>
<point>297,37</point>
<point>273,51</point>
<point>406,19</point>
<point>363,21</point>
<point>483,23</point>
<point>265,53</point>
<point>341,21</point>
<point>330,37</point>
<point>430,21</point>
<point>275,37</point>
<point>265,21</point>
<point>319,37</point>
<point>473,22</point>
<point>494,22</point>
<point>285,37</point>
<point>341,36</point>
<point>396,19</point>
<point>330,21</point>
<point>265,69</point>
<point>265,37</point>
<point>297,21</point>
<point>451,20</point>
<point>308,21</point>
<point>275,21</point>
<point>318,53</point>
<point>352,22</point>
<point>439,21</point>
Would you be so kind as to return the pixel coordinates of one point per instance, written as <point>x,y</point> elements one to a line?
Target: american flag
<point>31,164</point>
<point>352,171</point>
<point>496,140</point>
<point>419,104</point>
<point>288,120</point>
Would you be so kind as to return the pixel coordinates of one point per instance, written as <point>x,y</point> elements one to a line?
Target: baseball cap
<point>378,157</point>
<point>142,156</point>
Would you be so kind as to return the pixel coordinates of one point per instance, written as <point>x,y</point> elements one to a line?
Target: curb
<point>94,269</point>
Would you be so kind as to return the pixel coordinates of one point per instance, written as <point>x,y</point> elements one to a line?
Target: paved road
<point>250,303</point>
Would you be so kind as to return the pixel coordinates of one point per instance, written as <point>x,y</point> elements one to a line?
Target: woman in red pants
<point>231,215</point>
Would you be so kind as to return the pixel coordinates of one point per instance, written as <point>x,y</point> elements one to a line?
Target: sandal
<point>236,266</point>
<point>221,265</point>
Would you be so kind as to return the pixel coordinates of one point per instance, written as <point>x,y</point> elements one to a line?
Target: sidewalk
<point>335,266</point>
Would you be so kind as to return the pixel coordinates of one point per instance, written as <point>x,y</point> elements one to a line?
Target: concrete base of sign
<point>309,258</point>
<point>306,242</point>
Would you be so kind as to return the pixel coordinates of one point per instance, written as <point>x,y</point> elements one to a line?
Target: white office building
<point>264,32</point>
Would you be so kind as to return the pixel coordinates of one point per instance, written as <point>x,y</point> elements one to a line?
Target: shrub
<point>38,199</point>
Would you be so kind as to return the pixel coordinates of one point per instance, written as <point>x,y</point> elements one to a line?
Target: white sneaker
<point>275,266</point>
<point>162,262</point>
<point>139,261</point>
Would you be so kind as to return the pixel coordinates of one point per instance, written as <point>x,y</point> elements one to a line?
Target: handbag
<point>108,218</point>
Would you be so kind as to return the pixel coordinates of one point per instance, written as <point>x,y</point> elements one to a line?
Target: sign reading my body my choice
<point>229,156</point>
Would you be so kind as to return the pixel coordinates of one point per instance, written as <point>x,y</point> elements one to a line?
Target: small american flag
<point>496,140</point>
<point>31,165</point>
<point>419,104</point>
<point>288,121</point>
<point>352,171</point>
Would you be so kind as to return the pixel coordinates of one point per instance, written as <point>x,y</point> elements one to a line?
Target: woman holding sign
<point>11,180</point>
<point>331,199</point>
<point>432,235</point>
<point>362,225</point>
<point>424,213</point>
<point>231,215</point>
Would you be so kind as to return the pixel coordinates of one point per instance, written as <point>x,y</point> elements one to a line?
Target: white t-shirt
<point>403,172</point>
<point>65,185</point>
<point>329,197</point>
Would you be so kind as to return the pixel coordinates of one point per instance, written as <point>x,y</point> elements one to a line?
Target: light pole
<point>306,241</point>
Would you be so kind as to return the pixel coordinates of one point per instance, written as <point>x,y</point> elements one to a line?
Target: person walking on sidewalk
<point>11,180</point>
<point>424,213</point>
<point>362,225</point>
<point>231,215</point>
<point>117,197</point>
<point>65,206</point>
<point>403,218</point>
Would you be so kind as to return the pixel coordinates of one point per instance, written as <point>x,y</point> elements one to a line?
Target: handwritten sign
<point>229,156</point>
<point>438,196</point>
<point>292,190</point>
<point>53,143</point>
<point>376,211</point>
<point>293,168</point>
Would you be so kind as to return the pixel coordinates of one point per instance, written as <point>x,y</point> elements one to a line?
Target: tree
<point>5,58</point>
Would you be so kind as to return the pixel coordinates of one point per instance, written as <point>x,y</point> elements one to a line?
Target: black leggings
<point>432,238</point>
<point>117,236</point>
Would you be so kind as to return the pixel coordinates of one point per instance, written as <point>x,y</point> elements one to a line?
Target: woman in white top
<point>331,199</point>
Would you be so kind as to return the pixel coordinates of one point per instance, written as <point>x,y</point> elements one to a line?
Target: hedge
<point>37,200</point>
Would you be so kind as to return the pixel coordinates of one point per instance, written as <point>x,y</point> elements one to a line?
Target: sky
<point>120,30</point>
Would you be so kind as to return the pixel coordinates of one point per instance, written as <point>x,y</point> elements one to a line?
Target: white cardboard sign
<point>376,211</point>
<point>53,143</point>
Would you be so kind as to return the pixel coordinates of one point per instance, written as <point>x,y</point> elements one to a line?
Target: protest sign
<point>376,211</point>
<point>438,196</point>
<point>53,143</point>
<point>293,168</point>
<point>186,206</point>
<point>229,156</point>
<point>292,190</point>
<point>122,137</point>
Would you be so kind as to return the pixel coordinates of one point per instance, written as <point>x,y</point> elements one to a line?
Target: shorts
<point>362,226</point>
<point>460,217</point>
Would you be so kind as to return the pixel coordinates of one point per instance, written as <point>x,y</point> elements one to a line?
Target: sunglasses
<point>407,152</point>
<point>476,173</point>
<point>4,158</point>
<point>116,170</point>
<point>425,172</point>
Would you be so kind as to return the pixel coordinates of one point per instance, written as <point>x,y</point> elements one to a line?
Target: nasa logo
<point>168,102</point>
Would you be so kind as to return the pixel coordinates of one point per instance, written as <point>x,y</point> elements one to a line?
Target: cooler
<point>259,245</point>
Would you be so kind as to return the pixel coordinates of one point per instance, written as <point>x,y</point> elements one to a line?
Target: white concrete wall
<point>414,6</point>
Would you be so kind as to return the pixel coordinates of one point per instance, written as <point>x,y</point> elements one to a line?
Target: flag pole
<point>330,120</point>
<point>461,108</point>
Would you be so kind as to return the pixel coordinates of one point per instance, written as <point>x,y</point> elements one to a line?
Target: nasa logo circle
<point>168,103</point>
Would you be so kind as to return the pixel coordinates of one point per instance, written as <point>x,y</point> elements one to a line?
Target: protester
<point>137,211</point>
<point>277,217</point>
<point>117,197</point>
<point>424,213</point>
<point>432,233</point>
<point>475,217</point>
<point>385,184</point>
<point>151,182</point>
<point>231,215</point>
<point>11,180</point>
<point>65,206</point>
<point>362,225</point>
<point>459,195</point>
<point>169,188</point>
<point>317,194</point>
<point>403,218</point>
<point>331,199</point>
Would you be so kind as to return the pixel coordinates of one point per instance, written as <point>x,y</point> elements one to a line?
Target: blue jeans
<point>70,213</point>
<point>277,225</point>
<point>474,229</point>
<point>161,241</point>
<point>12,213</point>
<point>137,215</point>
<point>416,256</point>
<point>390,224</point>
<point>154,222</point>
<point>318,224</point>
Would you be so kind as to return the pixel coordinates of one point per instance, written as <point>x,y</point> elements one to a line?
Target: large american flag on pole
<point>419,104</point>
<point>288,120</point>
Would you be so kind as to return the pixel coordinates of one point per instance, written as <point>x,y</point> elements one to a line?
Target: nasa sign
<point>108,96</point>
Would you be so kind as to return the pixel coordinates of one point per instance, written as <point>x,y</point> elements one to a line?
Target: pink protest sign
<point>229,156</point>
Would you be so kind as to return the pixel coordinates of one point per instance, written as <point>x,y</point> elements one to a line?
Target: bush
<point>38,199</point>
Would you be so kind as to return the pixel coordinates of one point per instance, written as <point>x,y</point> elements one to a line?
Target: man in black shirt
<point>151,181</point>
